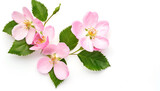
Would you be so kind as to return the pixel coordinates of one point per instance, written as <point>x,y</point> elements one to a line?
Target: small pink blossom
<point>43,38</point>
<point>26,27</point>
<point>91,33</point>
<point>56,53</point>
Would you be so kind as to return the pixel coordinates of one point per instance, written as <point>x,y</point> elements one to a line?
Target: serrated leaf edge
<point>94,69</point>
<point>15,53</point>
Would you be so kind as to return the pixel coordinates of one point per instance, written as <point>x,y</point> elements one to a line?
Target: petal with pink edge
<point>36,38</point>
<point>30,36</point>
<point>34,48</point>
<point>27,13</point>
<point>96,49</point>
<point>43,45</point>
<point>86,43</point>
<point>102,27</point>
<point>90,19</point>
<point>77,29</point>
<point>18,17</point>
<point>19,32</point>
<point>100,42</point>
<point>49,31</point>
<point>44,65</point>
<point>62,50</point>
<point>49,50</point>
<point>38,25</point>
<point>61,70</point>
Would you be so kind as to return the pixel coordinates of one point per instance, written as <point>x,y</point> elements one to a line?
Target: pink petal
<point>90,19</point>
<point>49,31</point>
<point>96,49</point>
<point>30,36</point>
<point>61,70</point>
<point>102,27</point>
<point>78,30</point>
<point>62,50</point>
<point>19,32</point>
<point>49,50</point>
<point>37,41</point>
<point>38,46</point>
<point>86,43</point>
<point>100,42</point>
<point>18,17</point>
<point>43,45</point>
<point>38,25</point>
<point>36,38</point>
<point>34,48</point>
<point>27,13</point>
<point>44,66</point>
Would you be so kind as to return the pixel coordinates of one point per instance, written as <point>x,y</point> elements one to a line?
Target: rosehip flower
<point>56,53</point>
<point>91,34</point>
<point>26,27</point>
<point>43,38</point>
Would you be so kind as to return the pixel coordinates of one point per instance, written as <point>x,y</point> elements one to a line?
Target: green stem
<point>54,12</point>
<point>48,19</point>
<point>76,51</point>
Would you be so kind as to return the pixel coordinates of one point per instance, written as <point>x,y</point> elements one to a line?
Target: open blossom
<point>43,38</point>
<point>91,33</point>
<point>26,27</point>
<point>56,53</point>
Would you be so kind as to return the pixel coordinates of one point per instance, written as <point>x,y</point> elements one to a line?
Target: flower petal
<point>36,38</point>
<point>38,25</point>
<point>43,45</point>
<point>18,17</point>
<point>49,31</point>
<point>62,50</point>
<point>96,49</point>
<point>100,42</point>
<point>34,48</point>
<point>61,70</point>
<point>44,66</point>
<point>86,43</point>
<point>27,13</point>
<point>19,32</point>
<point>90,19</point>
<point>50,49</point>
<point>102,27</point>
<point>30,36</point>
<point>77,29</point>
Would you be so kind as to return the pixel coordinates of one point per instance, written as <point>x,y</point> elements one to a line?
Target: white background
<point>134,51</point>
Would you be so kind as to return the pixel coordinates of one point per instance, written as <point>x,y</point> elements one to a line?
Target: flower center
<point>54,59</point>
<point>41,40</point>
<point>28,24</point>
<point>91,32</point>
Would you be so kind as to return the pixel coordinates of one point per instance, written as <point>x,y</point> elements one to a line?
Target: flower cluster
<point>32,29</point>
<point>30,34</point>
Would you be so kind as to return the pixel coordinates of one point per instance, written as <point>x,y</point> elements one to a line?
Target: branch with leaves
<point>31,33</point>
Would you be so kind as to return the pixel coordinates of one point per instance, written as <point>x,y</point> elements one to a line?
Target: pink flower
<point>56,53</point>
<point>91,33</point>
<point>26,27</point>
<point>43,38</point>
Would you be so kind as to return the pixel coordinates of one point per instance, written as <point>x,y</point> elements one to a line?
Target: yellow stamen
<point>28,24</point>
<point>41,40</point>
<point>92,32</point>
<point>54,59</point>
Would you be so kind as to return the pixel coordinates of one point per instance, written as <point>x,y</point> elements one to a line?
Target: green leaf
<point>56,9</point>
<point>68,37</point>
<point>20,48</point>
<point>54,79</point>
<point>8,28</point>
<point>39,10</point>
<point>95,61</point>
